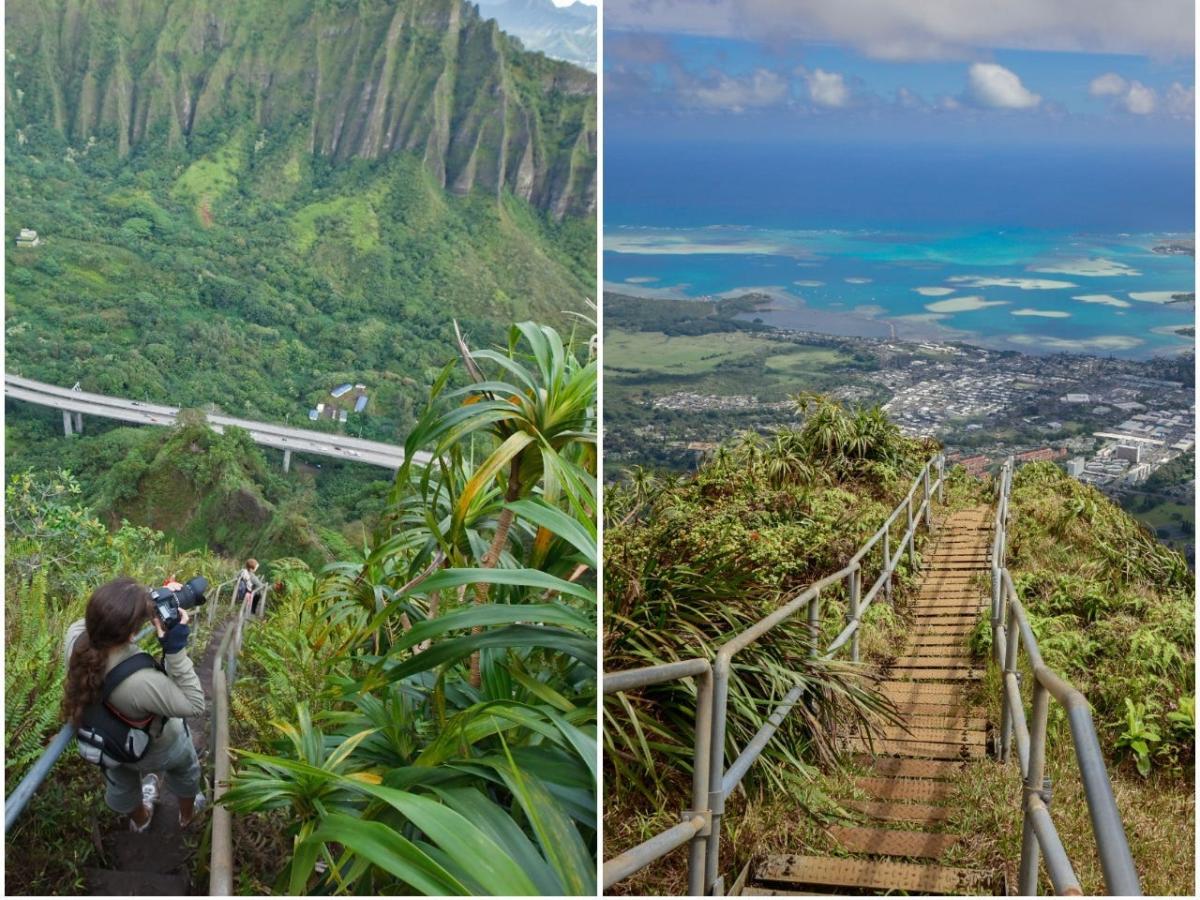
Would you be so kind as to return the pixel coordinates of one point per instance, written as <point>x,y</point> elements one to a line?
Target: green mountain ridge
<point>351,80</point>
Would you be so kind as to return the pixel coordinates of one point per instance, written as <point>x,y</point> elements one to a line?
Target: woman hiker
<point>250,586</point>
<point>150,698</point>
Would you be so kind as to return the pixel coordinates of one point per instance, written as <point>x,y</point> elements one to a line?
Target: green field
<point>653,352</point>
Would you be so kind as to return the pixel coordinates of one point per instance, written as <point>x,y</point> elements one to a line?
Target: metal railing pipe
<point>16,802</point>
<point>637,858</point>
<point>616,682</point>
<point>1011,634</point>
<point>1058,864</point>
<point>853,611</point>
<point>737,771</point>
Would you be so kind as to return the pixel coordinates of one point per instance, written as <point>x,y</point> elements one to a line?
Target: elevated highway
<point>75,404</point>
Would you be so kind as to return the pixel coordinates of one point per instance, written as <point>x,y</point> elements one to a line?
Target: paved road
<point>279,437</point>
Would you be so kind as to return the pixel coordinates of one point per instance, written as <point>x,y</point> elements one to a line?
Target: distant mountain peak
<point>561,32</point>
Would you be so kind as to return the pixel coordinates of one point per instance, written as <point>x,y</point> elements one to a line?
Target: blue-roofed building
<point>361,403</point>
<point>341,389</point>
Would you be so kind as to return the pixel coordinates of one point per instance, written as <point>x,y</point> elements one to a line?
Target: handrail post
<point>701,760</point>
<point>928,511</point>
<point>716,768</point>
<point>1033,786</point>
<point>887,564</point>
<point>912,538</point>
<point>1012,643</point>
<point>941,478</point>
<point>814,625</point>
<point>855,591</point>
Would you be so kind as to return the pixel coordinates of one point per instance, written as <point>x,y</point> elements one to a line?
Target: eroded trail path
<point>910,780</point>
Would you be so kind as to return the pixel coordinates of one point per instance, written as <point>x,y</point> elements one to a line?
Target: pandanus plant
<point>533,421</point>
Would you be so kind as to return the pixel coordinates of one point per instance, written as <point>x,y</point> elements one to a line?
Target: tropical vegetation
<point>429,723</point>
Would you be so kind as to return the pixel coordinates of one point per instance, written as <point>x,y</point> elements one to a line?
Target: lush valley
<point>241,206</point>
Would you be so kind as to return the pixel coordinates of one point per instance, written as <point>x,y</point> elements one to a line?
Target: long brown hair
<point>114,612</point>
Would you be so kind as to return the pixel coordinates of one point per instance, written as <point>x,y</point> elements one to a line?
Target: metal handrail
<point>1011,632</point>
<point>701,824</point>
<point>220,868</point>
<point>15,803</point>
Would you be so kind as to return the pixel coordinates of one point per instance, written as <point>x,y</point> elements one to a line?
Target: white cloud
<point>827,88</point>
<point>930,29</point>
<point>1000,88</point>
<point>761,88</point>
<point>1181,101</point>
<point>1140,100</point>
<point>1110,84</point>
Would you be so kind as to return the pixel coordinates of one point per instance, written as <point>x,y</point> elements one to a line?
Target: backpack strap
<point>123,670</point>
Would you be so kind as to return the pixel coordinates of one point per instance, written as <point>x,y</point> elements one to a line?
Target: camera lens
<point>192,593</point>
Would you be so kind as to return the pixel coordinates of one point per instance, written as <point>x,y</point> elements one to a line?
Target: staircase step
<point>953,717</point>
<point>938,674</point>
<point>934,735</point>
<point>886,875</point>
<point>885,811</point>
<point>162,854</point>
<point>943,629</point>
<point>930,661</point>
<point>943,711</point>
<point>914,749</point>
<point>939,640</point>
<point>895,767</point>
<point>886,842</point>
<point>918,692</point>
<point>110,883</point>
<point>919,790</point>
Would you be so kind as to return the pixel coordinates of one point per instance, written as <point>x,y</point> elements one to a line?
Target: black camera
<point>168,603</point>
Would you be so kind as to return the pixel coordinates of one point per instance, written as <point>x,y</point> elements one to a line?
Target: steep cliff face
<point>360,78</point>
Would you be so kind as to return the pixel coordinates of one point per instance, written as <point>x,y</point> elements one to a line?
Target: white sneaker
<point>197,807</point>
<point>149,799</point>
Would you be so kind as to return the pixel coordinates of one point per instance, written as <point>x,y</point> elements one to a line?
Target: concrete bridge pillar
<point>287,460</point>
<point>67,423</point>
<point>79,423</point>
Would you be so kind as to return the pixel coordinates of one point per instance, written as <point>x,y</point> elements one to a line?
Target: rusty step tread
<point>887,875</point>
<point>951,735</point>
<point>754,891</point>
<point>886,842</point>
<point>920,790</point>
<point>971,718</point>
<point>902,674</point>
<point>897,767</point>
<point>946,710</point>
<point>889,811</point>
<point>937,616</point>
<point>929,661</point>
<point>938,642</point>
<point>915,692</point>
<point>915,749</point>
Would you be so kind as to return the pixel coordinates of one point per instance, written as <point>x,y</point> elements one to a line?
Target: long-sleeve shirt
<point>148,692</point>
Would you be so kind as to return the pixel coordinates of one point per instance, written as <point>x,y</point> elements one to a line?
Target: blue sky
<point>1104,73</point>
